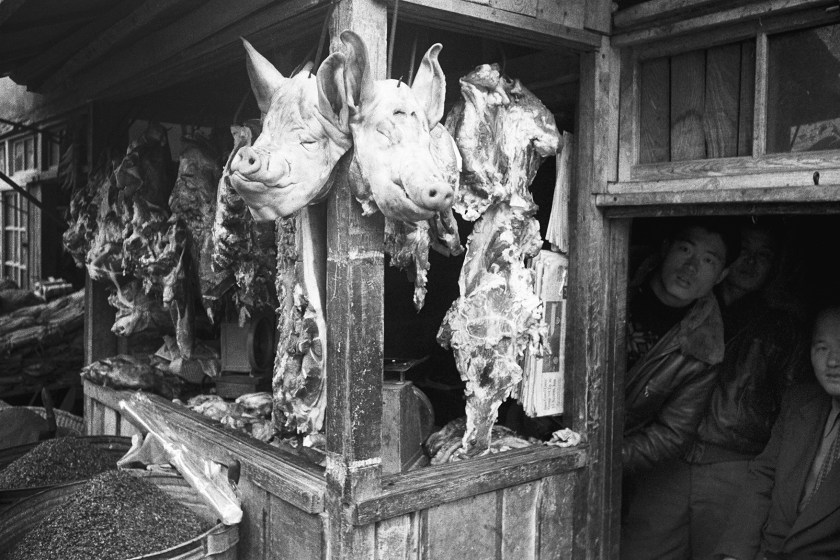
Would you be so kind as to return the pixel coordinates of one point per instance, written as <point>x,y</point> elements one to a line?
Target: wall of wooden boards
<point>697,105</point>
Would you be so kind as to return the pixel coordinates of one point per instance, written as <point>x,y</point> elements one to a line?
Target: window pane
<point>29,149</point>
<point>803,91</point>
<point>2,157</point>
<point>697,105</point>
<point>19,159</point>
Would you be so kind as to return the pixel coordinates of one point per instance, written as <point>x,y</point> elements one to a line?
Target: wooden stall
<point>679,108</point>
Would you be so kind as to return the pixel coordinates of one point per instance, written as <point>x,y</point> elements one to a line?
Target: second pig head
<point>304,134</point>
<point>393,164</point>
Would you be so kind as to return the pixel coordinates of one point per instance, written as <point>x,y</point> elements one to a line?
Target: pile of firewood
<point>41,343</point>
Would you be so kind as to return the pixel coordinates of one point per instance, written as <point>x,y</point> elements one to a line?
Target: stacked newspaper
<point>541,391</point>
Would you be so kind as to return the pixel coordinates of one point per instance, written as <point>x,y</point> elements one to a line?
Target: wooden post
<point>100,342</point>
<point>595,402</point>
<point>355,324</point>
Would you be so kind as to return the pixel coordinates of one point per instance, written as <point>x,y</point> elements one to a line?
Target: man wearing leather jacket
<point>675,337</point>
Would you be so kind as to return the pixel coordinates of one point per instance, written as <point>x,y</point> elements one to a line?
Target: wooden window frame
<point>758,178</point>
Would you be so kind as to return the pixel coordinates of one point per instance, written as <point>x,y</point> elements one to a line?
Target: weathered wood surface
<point>720,113</point>
<point>628,115</point>
<point>687,102</point>
<point>588,346</point>
<point>483,19</point>
<point>532,520</point>
<point>746,99</point>
<point>731,16</point>
<point>100,342</point>
<point>827,197</point>
<point>659,10</point>
<point>780,169</point>
<point>654,110</point>
<point>289,477</point>
<point>425,488</point>
<point>598,16</point>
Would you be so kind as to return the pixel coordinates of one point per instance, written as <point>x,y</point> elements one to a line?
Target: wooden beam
<point>659,10</point>
<point>70,44</point>
<point>94,51</point>
<point>480,19</point>
<point>828,194</point>
<point>718,183</point>
<point>426,488</point>
<point>8,9</point>
<point>730,16</point>
<point>598,16</point>
<point>590,371</point>
<point>759,137</point>
<point>292,20</point>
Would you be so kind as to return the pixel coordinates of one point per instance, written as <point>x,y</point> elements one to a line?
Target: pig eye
<point>399,113</point>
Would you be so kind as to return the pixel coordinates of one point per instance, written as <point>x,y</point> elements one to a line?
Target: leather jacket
<point>765,354</point>
<point>666,392</point>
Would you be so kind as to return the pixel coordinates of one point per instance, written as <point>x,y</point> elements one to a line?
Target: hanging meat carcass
<point>405,163</point>
<point>289,166</point>
<point>84,208</point>
<point>503,131</point>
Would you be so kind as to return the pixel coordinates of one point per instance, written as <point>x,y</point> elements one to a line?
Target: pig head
<point>304,134</point>
<point>394,166</point>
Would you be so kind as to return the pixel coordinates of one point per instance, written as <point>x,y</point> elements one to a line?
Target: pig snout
<point>437,196</point>
<point>256,166</point>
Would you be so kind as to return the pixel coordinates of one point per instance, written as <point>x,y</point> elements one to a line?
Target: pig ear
<point>265,79</point>
<point>429,85</point>
<point>332,99</point>
<point>359,86</point>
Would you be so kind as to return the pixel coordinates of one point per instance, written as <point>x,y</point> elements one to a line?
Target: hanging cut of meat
<point>242,248</point>
<point>84,208</point>
<point>299,385</point>
<point>503,132</point>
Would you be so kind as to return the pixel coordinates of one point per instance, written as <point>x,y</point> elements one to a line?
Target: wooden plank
<point>759,147</point>
<point>598,16</point>
<point>555,516</point>
<point>256,529</point>
<point>569,13</point>
<point>659,10</point>
<point>464,16</point>
<point>629,114</point>
<point>100,342</point>
<point>750,12</point>
<point>746,99</point>
<point>71,43</point>
<point>447,537</point>
<point>519,521</point>
<point>687,101</point>
<point>794,163</point>
<point>105,42</point>
<point>293,533</point>
<point>157,46</point>
<point>720,113</point>
<point>586,346</point>
<point>110,419</point>
<point>747,180</point>
<point>754,196</point>
<point>284,24</point>
<point>605,113</point>
<point>8,9</point>
<point>396,538</point>
<point>427,488</point>
<point>525,8</point>
<point>128,429</point>
<point>655,110</point>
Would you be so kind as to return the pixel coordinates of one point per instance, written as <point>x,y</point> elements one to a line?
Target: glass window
<point>29,151</point>
<point>51,150</point>
<point>3,157</point>
<point>803,90</point>
<point>697,105</point>
<point>19,160</point>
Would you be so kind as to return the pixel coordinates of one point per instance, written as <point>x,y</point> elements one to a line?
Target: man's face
<point>693,264</point>
<point>825,351</point>
<point>752,268</point>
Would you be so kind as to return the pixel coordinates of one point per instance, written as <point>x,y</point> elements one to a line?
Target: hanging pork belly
<point>503,131</point>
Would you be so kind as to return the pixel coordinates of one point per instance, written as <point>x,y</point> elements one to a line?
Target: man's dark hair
<point>725,227</point>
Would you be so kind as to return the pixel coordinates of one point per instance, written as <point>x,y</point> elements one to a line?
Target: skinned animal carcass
<point>84,208</point>
<point>304,133</point>
<point>405,163</point>
<point>503,131</point>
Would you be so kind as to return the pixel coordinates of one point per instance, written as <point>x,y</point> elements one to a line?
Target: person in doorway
<point>675,337</point>
<point>764,355</point>
<point>790,507</point>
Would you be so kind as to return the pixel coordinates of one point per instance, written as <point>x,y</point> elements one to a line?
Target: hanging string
<point>411,60</point>
<point>393,38</point>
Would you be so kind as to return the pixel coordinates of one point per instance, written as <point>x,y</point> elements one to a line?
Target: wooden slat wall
<point>697,105</point>
<point>532,520</point>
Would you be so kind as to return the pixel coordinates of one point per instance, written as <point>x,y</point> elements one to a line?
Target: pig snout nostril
<point>433,193</point>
